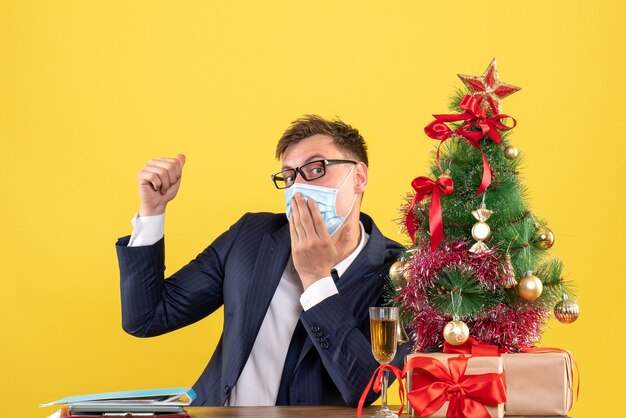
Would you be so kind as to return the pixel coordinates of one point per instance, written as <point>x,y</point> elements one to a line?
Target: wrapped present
<point>539,382</point>
<point>452,385</point>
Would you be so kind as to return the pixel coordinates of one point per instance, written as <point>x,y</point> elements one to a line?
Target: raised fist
<point>159,181</point>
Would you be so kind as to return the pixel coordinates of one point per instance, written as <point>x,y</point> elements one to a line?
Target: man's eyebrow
<point>308,160</point>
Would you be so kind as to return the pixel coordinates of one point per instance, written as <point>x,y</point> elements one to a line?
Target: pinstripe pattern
<point>241,270</point>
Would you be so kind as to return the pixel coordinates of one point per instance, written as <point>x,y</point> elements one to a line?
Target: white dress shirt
<point>259,381</point>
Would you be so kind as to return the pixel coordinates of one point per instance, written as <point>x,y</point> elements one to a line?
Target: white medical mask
<point>326,199</point>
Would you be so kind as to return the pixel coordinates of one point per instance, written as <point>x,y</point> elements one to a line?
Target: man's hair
<point>345,137</point>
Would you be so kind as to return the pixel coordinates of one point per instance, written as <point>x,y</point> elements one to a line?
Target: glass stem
<point>383,402</point>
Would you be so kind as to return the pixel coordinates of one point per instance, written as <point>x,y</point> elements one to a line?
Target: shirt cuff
<point>147,230</point>
<point>317,292</point>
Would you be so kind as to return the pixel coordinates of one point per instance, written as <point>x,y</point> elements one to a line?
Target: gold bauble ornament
<point>396,271</point>
<point>566,311</point>
<point>529,287</point>
<point>544,237</point>
<point>511,152</point>
<point>456,332</point>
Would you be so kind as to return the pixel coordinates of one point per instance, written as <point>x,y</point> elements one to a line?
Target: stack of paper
<point>139,403</point>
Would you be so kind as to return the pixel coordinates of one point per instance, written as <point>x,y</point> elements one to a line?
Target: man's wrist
<point>317,292</point>
<point>159,210</point>
<point>309,279</point>
<point>147,230</point>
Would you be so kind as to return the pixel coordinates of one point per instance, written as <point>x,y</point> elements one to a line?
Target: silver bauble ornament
<point>566,311</point>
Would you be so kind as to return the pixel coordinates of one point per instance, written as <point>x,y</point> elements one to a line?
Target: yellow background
<point>89,91</point>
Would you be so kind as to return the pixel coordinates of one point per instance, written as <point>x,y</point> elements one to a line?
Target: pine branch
<point>457,292</point>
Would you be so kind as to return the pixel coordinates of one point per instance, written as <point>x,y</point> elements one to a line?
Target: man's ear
<point>360,178</point>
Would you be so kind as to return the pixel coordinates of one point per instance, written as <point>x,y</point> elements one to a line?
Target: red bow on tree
<point>476,117</point>
<point>424,187</point>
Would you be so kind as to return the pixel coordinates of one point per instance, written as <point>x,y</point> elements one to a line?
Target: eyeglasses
<point>310,171</point>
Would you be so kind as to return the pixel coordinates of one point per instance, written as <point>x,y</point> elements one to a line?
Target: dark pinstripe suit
<point>241,270</point>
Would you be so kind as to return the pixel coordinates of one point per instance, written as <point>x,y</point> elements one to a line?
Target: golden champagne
<point>384,339</point>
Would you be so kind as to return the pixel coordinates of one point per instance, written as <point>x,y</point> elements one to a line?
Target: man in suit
<point>295,289</point>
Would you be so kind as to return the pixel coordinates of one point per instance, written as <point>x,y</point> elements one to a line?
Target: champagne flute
<point>384,330</point>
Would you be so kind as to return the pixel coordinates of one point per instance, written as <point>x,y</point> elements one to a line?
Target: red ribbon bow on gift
<point>434,384</point>
<point>376,383</point>
<point>424,187</point>
<point>438,129</point>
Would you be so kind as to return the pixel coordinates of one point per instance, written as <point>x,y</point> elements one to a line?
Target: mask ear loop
<point>351,206</point>
<point>339,188</point>
<point>346,178</point>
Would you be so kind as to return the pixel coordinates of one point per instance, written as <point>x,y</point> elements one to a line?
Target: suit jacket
<point>241,270</point>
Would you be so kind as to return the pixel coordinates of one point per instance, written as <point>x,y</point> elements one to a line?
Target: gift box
<point>539,383</point>
<point>439,383</point>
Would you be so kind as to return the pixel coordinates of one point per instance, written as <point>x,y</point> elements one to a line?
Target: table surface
<point>283,411</point>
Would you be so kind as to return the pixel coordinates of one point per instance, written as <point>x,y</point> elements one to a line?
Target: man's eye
<point>289,178</point>
<point>317,170</point>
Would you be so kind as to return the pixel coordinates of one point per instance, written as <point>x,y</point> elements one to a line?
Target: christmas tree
<point>479,263</point>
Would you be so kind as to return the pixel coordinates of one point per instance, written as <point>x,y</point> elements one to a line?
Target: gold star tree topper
<point>488,89</point>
